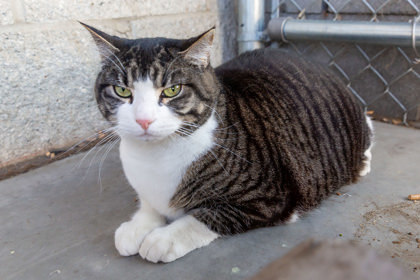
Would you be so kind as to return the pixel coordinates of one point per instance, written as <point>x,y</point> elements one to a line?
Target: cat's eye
<point>171,91</point>
<point>122,92</point>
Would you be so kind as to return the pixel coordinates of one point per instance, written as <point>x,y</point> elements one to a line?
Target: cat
<point>253,143</point>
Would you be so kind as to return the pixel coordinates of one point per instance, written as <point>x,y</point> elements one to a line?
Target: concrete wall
<point>48,62</point>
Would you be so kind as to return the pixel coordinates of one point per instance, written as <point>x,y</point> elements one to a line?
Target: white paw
<point>128,238</point>
<point>366,162</point>
<point>293,218</point>
<point>159,245</point>
<point>171,242</point>
<point>365,170</point>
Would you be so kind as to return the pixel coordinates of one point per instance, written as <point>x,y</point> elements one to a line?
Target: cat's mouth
<point>148,137</point>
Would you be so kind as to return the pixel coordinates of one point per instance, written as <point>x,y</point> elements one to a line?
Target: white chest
<point>155,169</point>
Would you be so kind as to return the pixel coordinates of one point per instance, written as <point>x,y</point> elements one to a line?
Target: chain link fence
<point>384,79</point>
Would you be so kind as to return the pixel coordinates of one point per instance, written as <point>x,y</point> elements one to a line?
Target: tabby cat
<point>212,152</point>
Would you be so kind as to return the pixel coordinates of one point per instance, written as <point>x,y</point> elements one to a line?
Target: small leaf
<point>235,269</point>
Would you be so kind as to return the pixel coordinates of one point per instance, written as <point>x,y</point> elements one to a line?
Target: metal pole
<point>361,32</point>
<point>251,19</point>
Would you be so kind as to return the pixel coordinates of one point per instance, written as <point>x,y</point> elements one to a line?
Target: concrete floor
<point>57,223</point>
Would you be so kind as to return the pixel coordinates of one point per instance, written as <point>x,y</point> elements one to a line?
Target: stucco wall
<point>48,62</point>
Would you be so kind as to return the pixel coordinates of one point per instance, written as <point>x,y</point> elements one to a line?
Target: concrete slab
<point>57,222</point>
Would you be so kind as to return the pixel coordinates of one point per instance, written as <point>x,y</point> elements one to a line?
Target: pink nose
<point>144,123</point>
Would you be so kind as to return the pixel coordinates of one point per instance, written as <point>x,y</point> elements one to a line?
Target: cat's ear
<point>106,44</point>
<point>198,52</point>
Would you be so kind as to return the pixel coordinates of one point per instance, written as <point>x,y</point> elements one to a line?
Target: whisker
<point>214,110</point>
<point>94,147</point>
<point>218,138</point>
<point>190,123</point>
<point>98,147</point>
<point>221,165</point>
<point>227,139</point>
<point>179,80</point>
<point>227,127</point>
<point>97,134</point>
<point>223,147</point>
<point>185,131</point>
<point>120,70</point>
<point>110,139</point>
<point>110,146</point>
<point>169,67</point>
<point>110,52</point>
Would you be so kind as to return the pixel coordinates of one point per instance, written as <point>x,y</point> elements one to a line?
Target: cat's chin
<point>150,138</point>
<point>147,138</point>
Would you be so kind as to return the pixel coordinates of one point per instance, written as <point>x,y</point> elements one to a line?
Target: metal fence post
<point>251,24</point>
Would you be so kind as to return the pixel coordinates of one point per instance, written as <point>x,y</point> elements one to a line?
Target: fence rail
<point>384,78</point>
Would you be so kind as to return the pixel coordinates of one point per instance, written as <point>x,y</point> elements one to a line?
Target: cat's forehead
<point>147,58</point>
<point>148,50</point>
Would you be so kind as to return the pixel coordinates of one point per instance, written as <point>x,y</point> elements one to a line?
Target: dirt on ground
<point>395,231</point>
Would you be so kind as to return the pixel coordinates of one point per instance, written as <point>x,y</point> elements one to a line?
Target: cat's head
<point>152,88</point>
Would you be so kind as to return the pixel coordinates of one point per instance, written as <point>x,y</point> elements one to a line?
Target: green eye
<point>122,92</point>
<point>171,91</point>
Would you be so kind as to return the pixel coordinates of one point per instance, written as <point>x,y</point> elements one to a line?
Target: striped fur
<point>289,133</point>
<point>292,134</point>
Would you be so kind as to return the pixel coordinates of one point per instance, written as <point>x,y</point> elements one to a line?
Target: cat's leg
<point>175,240</point>
<point>129,235</point>
<point>293,218</point>
<point>367,155</point>
<point>367,158</point>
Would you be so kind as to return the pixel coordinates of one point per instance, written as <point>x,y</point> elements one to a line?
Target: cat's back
<point>255,60</point>
<point>287,81</point>
<point>283,87</point>
<point>268,65</point>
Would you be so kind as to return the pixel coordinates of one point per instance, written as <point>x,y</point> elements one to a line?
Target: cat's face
<point>153,88</point>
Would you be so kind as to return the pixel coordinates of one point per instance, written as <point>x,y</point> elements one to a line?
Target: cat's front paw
<point>160,245</point>
<point>128,238</point>
<point>171,242</point>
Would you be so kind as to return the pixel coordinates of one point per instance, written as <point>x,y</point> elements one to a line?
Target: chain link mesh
<point>385,80</point>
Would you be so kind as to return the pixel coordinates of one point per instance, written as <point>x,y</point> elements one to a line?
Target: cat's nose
<point>144,123</point>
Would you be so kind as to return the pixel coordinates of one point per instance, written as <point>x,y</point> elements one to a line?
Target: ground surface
<point>57,223</point>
